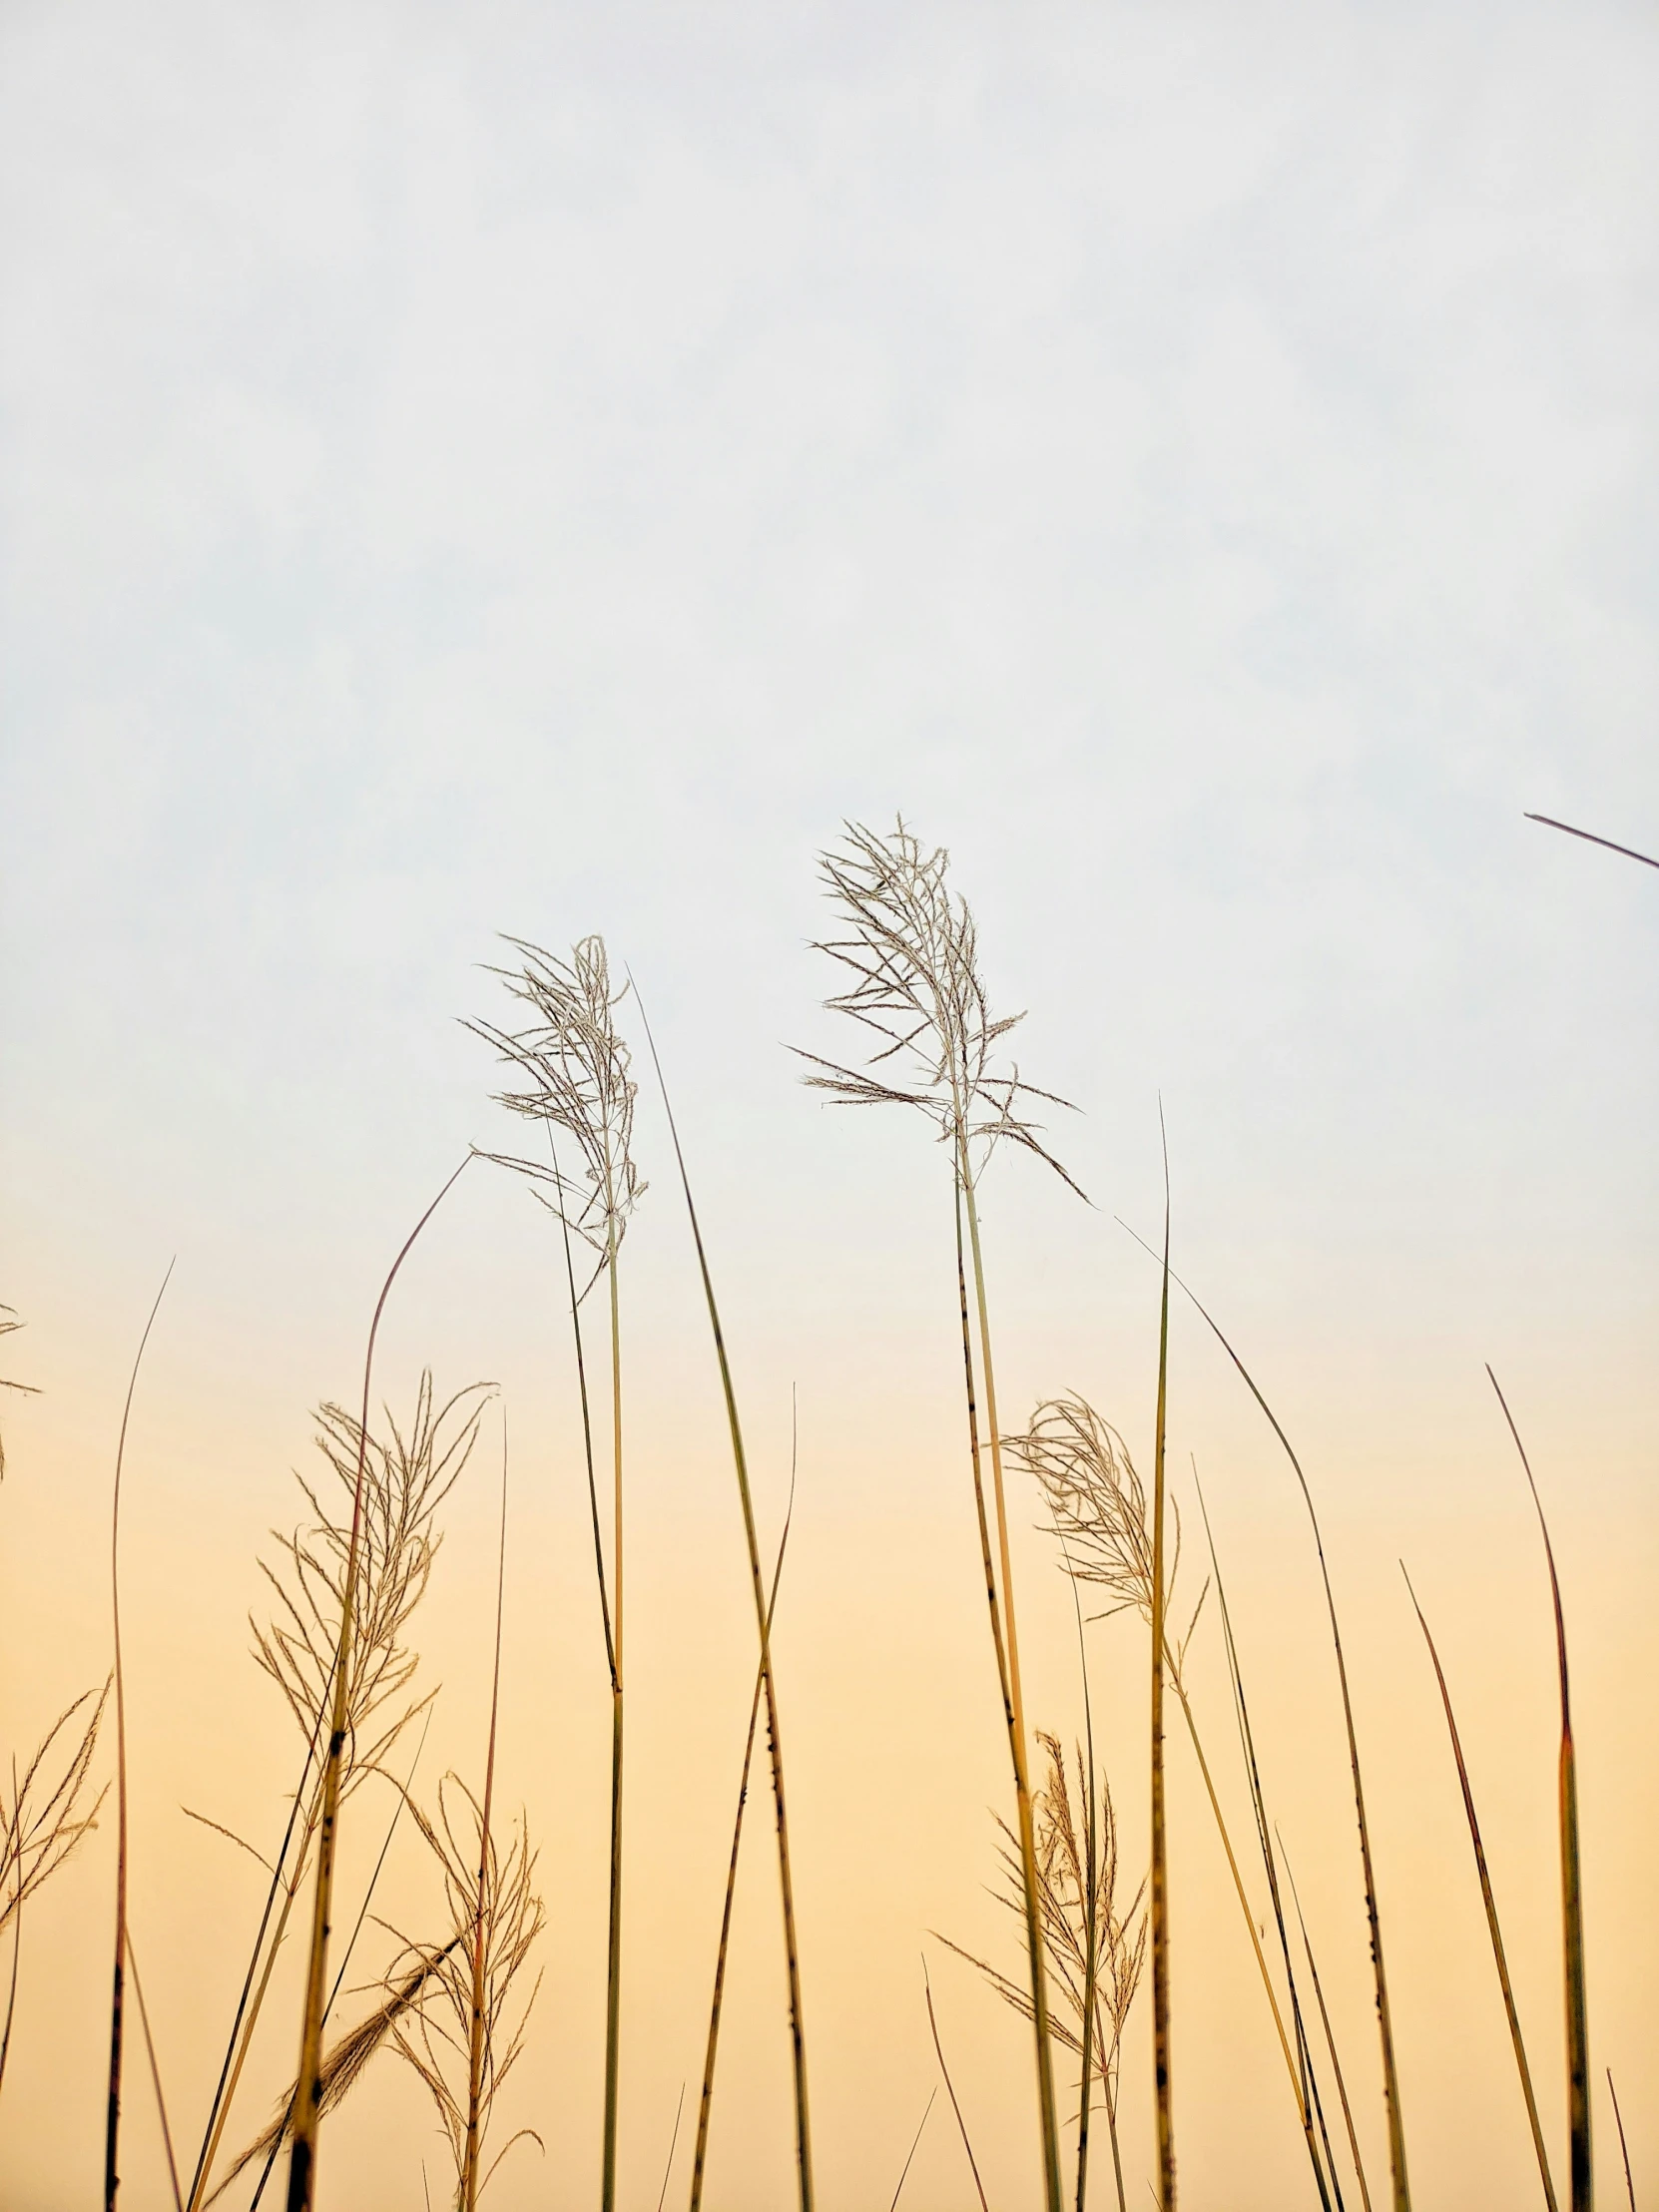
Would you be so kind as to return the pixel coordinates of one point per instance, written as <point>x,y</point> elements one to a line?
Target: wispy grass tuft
<point>303,2157</point>
<point>579,1086</point>
<point>911,946</point>
<point>391,1485</point>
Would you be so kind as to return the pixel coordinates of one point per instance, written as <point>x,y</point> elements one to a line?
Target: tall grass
<point>762,1622</point>
<point>1581,2165</point>
<point>579,1086</point>
<point>911,947</point>
<point>392,1486</point>
<point>118,1998</point>
<point>308,2101</point>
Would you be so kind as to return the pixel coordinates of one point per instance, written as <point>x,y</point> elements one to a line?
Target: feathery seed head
<point>579,1085</point>
<point>911,949</point>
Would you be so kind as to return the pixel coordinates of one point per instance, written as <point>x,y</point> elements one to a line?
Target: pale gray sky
<point>538,469</point>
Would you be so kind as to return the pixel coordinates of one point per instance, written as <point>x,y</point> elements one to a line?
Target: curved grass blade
<point>1590,837</point>
<point>302,2158</point>
<point>1329,2032</point>
<point>951,2088</point>
<point>1384,2017</point>
<point>1161,2055</point>
<point>1499,1957</point>
<point>705,2105</point>
<point>112,2123</point>
<point>904,2172</point>
<point>1572,1897</point>
<point>1624,2147</point>
<point>798,2029</point>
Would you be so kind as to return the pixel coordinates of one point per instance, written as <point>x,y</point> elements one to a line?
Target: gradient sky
<point>540,471</point>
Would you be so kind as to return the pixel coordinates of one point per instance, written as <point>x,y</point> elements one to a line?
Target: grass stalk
<point>1014,1706</point>
<point>468,2192</point>
<point>155,2075</point>
<point>1624,2147</point>
<point>1329,2036</point>
<point>1401,2188</point>
<point>112,2123</point>
<point>303,2157</point>
<point>797,2029</point>
<point>705,2103</point>
<point>1301,2068</point>
<point>1572,1899</point>
<point>951,2091</point>
<point>1499,1959</point>
<point>1163,2087</point>
<point>613,1949</point>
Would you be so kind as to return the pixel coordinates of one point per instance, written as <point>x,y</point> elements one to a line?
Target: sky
<point>542,471</point>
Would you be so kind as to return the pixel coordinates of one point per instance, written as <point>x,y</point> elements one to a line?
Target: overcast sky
<point>539,472</point>
<point>540,468</point>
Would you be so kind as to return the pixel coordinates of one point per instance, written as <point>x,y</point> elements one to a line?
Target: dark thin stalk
<point>155,2074</point>
<point>17,1942</point>
<point>704,2104</point>
<point>1302,2072</point>
<point>797,2029</point>
<point>236,2049</point>
<point>280,2137</point>
<point>1572,1899</point>
<point>1162,2084</point>
<point>672,2144</point>
<point>1624,2147</point>
<point>302,2158</point>
<point>1384,2017</point>
<point>1589,838</point>
<point>1330,2033</point>
<point>1486,1897</point>
<point>112,2127</point>
<point>951,2088</point>
<point>475,2056</point>
<point>1014,1704</point>
<point>904,2172</point>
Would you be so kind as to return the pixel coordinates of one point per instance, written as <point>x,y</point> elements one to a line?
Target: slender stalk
<point>673,2145</point>
<point>112,2126</point>
<point>1486,1897</point>
<point>308,2105</point>
<point>17,1940</point>
<point>1572,1897</point>
<point>1385,2018</point>
<point>1091,1903</point>
<point>1301,2068</point>
<point>904,2171</point>
<point>613,1950</point>
<point>705,2103</point>
<point>1015,1708</point>
<point>475,2051</point>
<point>250,2001</point>
<point>1161,2055</point>
<point>1330,2033</point>
<point>1589,837</point>
<point>797,2029</point>
<point>155,2075</point>
<point>1624,2147</point>
<point>951,2090</point>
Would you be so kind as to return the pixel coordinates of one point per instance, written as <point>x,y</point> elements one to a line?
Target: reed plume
<point>911,947</point>
<point>1106,1524</point>
<point>43,1820</point>
<point>407,1473</point>
<point>463,2032</point>
<point>302,2158</point>
<point>1095,1952</point>
<point>579,1086</point>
